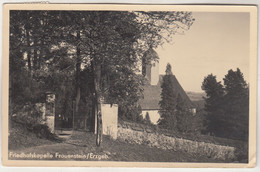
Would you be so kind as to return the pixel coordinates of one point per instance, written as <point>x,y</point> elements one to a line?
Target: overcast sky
<point>215,43</point>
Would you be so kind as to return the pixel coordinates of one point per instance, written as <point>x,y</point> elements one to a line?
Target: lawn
<point>81,146</point>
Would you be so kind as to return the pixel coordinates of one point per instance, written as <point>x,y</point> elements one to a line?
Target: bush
<point>30,116</point>
<point>43,131</point>
<point>132,113</point>
<point>170,123</point>
<point>140,118</point>
<point>147,118</point>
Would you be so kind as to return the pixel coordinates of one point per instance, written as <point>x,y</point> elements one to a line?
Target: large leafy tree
<point>108,44</point>
<point>28,53</point>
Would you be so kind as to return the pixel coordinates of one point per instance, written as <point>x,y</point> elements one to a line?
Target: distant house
<point>152,89</point>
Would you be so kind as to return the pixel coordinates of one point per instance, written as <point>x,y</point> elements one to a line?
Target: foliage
<point>140,118</point>
<point>43,131</point>
<point>29,114</point>
<point>168,101</point>
<point>236,105</point>
<point>175,113</point>
<point>215,92</point>
<point>54,50</point>
<point>184,116</point>
<point>147,118</point>
<point>234,83</point>
<point>186,121</point>
<point>227,106</point>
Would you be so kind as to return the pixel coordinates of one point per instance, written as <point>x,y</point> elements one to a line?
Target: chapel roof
<point>152,95</point>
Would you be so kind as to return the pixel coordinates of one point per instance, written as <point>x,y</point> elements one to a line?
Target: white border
<point>253,2</point>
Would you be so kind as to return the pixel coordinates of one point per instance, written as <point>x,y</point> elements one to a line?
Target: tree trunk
<point>29,58</point>
<point>97,79</point>
<point>29,50</point>
<point>93,114</point>
<point>78,64</point>
<point>77,101</point>
<point>40,59</point>
<point>35,55</point>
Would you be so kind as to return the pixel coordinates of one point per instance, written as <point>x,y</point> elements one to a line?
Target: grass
<point>241,151</point>
<point>83,143</point>
<point>20,138</point>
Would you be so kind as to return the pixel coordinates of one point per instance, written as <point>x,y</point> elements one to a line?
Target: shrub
<point>139,118</point>
<point>43,131</point>
<point>147,118</point>
<point>30,116</point>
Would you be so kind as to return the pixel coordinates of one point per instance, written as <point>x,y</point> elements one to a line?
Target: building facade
<point>152,89</point>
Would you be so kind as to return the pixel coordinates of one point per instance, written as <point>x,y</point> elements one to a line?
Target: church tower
<point>150,69</point>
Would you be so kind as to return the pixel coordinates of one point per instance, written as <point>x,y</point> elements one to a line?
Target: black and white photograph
<point>139,84</point>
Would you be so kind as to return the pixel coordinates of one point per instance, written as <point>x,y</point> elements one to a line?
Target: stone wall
<point>139,135</point>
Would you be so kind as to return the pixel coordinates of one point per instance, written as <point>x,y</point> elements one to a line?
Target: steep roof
<point>152,95</point>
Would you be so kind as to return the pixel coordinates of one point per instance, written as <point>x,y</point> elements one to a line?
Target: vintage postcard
<point>101,85</point>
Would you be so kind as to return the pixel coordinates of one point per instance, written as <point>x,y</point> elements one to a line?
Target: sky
<point>215,43</point>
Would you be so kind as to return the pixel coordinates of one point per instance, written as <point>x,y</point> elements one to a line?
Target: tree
<point>227,106</point>
<point>110,44</point>
<point>27,50</point>
<point>168,101</point>
<point>147,118</point>
<point>214,101</point>
<point>183,115</point>
<point>133,34</point>
<point>236,105</point>
<point>234,82</point>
